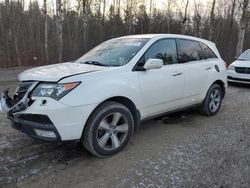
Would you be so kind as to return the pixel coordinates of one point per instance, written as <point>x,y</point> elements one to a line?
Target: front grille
<point>238,79</point>
<point>242,70</point>
<point>14,103</point>
<point>23,87</point>
<point>21,90</point>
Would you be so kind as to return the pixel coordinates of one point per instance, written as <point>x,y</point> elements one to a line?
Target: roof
<point>150,36</point>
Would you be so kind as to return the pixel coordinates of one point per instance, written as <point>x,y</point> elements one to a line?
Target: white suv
<point>239,70</point>
<point>103,96</point>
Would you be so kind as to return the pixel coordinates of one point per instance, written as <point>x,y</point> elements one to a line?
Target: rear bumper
<point>25,124</point>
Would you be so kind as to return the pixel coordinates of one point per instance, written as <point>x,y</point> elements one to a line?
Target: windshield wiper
<point>94,63</point>
<point>241,59</point>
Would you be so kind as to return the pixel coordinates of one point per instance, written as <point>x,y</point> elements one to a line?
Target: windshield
<point>245,56</point>
<point>115,52</point>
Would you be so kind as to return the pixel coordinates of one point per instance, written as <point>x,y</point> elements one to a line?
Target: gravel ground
<point>184,149</point>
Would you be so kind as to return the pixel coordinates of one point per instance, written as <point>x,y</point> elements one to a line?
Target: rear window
<point>208,53</point>
<point>189,51</point>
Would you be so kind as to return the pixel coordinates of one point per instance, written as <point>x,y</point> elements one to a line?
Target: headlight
<point>54,90</point>
<point>231,67</point>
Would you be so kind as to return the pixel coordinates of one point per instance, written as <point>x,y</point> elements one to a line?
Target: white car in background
<point>239,70</point>
<point>103,96</point>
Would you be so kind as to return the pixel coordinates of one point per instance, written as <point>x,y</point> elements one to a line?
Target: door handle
<point>177,74</point>
<point>208,68</point>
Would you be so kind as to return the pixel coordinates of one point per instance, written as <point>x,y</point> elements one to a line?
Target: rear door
<point>197,69</point>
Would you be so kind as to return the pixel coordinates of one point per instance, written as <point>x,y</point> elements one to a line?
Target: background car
<point>239,70</point>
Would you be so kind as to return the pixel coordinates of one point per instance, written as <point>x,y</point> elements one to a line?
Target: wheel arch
<point>130,105</point>
<point>222,85</point>
<point>126,102</point>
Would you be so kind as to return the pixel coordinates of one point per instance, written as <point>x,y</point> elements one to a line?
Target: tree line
<point>42,34</point>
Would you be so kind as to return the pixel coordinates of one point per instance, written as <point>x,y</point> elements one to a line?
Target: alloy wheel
<point>112,131</point>
<point>215,100</point>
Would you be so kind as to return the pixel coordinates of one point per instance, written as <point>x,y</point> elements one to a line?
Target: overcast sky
<point>159,4</point>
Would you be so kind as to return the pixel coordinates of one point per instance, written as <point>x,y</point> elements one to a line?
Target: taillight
<point>226,65</point>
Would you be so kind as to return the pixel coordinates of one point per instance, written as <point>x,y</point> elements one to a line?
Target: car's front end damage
<point>45,105</point>
<point>44,117</point>
<point>37,126</point>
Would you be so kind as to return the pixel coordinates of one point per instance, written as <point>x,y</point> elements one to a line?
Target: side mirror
<point>153,64</point>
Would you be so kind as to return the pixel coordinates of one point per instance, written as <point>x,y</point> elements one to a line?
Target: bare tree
<point>85,23</point>
<point>211,21</point>
<point>169,17</point>
<point>104,10</point>
<point>8,36</point>
<point>59,14</point>
<point>197,20</point>
<point>184,20</point>
<point>150,8</point>
<point>232,14</point>
<point>100,19</point>
<point>103,19</point>
<point>242,29</point>
<point>118,7</point>
<point>14,33</point>
<point>45,31</point>
<point>33,32</point>
<point>129,16</point>
<point>151,3</point>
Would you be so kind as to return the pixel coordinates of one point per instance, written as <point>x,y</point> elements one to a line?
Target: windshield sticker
<point>133,44</point>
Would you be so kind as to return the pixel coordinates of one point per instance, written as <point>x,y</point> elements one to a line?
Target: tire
<point>108,129</point>
<point>212,103</point>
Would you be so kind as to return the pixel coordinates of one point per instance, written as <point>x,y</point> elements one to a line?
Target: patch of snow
<point>4,143</point>
<point>139,173</point>
<point>34,171</point>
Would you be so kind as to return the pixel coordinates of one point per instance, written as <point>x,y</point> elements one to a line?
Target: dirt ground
<point>184,149</point>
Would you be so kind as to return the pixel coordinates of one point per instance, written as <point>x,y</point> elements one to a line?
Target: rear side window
<point>163,49</point>
<point>208,53</point>
<point>189,51</point>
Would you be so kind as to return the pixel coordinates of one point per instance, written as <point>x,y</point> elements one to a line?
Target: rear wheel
<point>108,129</point>
<point>211,104</point>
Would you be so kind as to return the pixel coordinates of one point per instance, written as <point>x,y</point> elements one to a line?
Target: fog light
<point>48,134</point>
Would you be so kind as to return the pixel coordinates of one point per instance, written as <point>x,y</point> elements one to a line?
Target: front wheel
<point>211,104</point>
<point>108,129</point>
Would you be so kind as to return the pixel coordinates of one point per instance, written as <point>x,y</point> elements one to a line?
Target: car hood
<point>239,63</point>
<point>54,73</point>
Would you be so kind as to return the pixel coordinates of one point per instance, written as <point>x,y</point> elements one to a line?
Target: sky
<point>159,4</point>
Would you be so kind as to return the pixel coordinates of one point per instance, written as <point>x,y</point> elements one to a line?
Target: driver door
<point>162,89</point>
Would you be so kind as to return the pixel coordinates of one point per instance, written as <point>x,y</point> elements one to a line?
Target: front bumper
<point>34,125</point>
<point>232,76</point>
<point>62,122</point>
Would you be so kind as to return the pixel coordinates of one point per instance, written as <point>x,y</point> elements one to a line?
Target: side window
<point>189,51</point>
<point>208,53</point>
<point>163,49</point>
